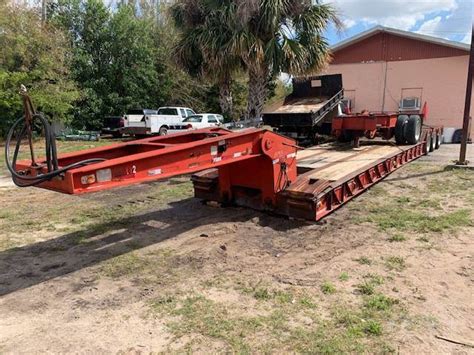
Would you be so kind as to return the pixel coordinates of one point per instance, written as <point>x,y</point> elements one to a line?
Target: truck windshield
<point>196,118</point>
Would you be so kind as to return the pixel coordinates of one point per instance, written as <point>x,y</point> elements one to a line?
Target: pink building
<point>383,66</point>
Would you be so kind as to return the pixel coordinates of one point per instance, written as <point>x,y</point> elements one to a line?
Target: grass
<point>328,288</point>
<point>390,218</point>
<point>371,281</point>
<point>348,330</point>
<point>343,276</point>
<point>365,288</point>
<point>379,302</point>
<point>396,238</point>
<point>124,265</point>
<point>423,208</point>
<point>395,263</point>
<point>363,260</point>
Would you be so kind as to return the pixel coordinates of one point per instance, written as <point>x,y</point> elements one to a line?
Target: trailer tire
<point>400,127</point>
<point>427,146</point>
<point>431,143</point>
<point>346,136</point>
<point>163,131</point>
<point>413,129</point>
<point>438,141</point>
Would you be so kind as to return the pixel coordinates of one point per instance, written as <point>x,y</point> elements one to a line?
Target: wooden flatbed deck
<point>330,175</point>
<point>334,162</point>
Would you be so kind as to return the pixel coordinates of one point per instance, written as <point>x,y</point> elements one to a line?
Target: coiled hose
<point>23,180</point>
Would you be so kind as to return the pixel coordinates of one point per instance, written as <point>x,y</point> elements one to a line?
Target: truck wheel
<point>428,140</point>
<point>413,129</point>
<point>438,141</point>
<point>163,131</point>
<point>431,143</point>
<point>346,136</point>
<point>400,127</point>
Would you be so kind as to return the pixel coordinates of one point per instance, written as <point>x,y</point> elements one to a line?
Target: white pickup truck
<point>161,122</point>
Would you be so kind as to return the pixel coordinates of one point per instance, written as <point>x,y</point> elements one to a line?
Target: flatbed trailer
<point>253,168</point>
<point>308,110</point>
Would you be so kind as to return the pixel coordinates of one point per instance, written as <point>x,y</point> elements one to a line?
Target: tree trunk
<point>258,91</point>
<point>225,98</point>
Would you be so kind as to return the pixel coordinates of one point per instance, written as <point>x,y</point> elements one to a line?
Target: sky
<point>449,19</point>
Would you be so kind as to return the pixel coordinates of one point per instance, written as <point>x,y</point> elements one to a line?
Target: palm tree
<point>277,36</point>
<point>203,48</point>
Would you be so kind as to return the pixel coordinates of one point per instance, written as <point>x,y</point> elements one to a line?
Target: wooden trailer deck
<point>334,162</point>
<point>330,175</point>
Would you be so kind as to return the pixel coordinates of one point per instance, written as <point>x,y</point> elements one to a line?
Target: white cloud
<point>402,14</point>
<point>456,24</point>
<point>467,38</point>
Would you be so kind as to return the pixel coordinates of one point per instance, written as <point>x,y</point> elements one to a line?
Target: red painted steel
<point>389,47</point>
<point>369,124</point>
<point>253,159</point>
<point>253,168</point>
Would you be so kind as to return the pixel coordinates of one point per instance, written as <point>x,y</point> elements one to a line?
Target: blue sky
<point>449,19</point>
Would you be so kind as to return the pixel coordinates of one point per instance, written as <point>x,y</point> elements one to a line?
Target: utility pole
<point>467,105</point>
<point>44,5</point>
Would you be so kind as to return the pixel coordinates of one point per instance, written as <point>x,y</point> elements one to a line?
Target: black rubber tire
<point>400,127</point>
<point>117,135</point>
<point>438,141</point>
<point>163,131</point>
<point>413,129</point>
<point>346,136</point>
<point>431,144</point>
<point>428,140</point>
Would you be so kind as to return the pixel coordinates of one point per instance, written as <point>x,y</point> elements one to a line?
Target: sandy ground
<point>62,293</point>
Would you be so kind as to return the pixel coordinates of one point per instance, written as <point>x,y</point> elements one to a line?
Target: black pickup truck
<point>309,109</point>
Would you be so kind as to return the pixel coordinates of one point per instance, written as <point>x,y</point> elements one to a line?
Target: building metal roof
<point>412,35</point>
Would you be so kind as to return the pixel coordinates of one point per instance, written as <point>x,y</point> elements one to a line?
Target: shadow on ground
<point>35,263</point>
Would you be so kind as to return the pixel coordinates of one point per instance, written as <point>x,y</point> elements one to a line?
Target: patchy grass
<point>328,288</point>
<point>365,288</point>
<point>371,281</point>
<point>363,260</point>
<point>343,276</point>
<point>396,238</point>
<point>379,302</point>
<point>374,278</point>
<point>387,218</point>
<point>348,330</point>
<point>395,263</point>
<point>124,265</point>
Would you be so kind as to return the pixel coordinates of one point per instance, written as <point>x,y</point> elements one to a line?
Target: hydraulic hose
<point>22,180</point>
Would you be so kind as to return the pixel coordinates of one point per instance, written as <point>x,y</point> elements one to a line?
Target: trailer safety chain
<point>21,179</point>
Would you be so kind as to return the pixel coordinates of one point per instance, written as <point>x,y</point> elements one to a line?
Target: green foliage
<point>344,276</point>
<point>36,56</point>
<point>379,302</point>
<point>117,61</point>
<point>366,288</point>
<point>328,288</point>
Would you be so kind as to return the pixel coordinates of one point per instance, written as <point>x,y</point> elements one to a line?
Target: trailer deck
<point>331,175</point>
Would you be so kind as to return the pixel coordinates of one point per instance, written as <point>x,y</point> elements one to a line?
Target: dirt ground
<point>149,269</point>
